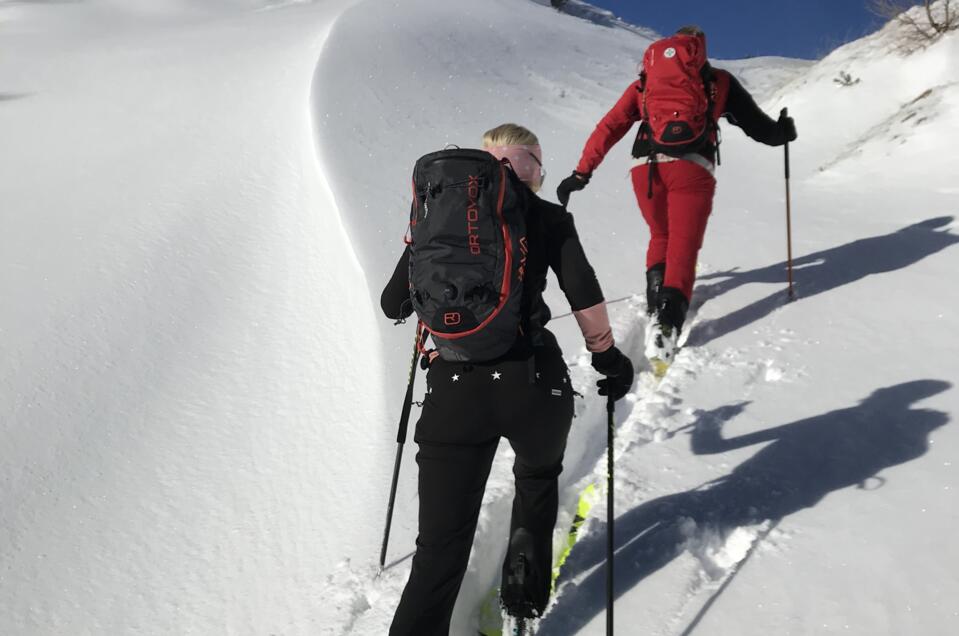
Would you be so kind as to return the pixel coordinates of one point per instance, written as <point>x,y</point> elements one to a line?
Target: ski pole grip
<point>407,404</point>
<point>782,115</point>
<point>404,422</point>
<point>408,399</point>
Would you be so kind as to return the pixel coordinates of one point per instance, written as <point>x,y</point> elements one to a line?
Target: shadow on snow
<point>802,462</point>
<point>9,97</point>
<point>821,272</point>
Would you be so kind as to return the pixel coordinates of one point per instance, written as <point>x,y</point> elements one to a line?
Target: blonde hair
<point>509,135</point>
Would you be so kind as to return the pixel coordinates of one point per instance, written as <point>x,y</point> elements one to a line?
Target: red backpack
<point>678,91</point>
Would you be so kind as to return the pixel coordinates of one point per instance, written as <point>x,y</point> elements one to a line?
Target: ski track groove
<point>636,425</point>
<point>654,406</point>
<point>365,596</point>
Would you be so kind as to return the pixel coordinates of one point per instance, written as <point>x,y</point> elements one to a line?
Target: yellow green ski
<point>491,616</point>
<point>660,367</point>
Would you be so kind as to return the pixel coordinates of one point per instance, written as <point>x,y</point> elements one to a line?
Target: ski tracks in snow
<point>655,412</point>
<point>362,598</point>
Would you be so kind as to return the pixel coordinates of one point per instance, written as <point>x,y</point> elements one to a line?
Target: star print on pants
<point>456,378</point>
<point>496,375</point>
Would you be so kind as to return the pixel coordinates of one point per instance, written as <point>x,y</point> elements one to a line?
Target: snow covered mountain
<point>198,396</point>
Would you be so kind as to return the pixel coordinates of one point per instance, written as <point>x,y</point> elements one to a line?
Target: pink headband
<point>527,162</point>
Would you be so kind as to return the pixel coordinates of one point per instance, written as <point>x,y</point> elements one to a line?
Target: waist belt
<point>659,157</point>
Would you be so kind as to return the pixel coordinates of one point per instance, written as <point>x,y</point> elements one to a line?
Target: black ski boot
<point>662,336</point>
<point>654,283</point>
<point>517,577</point>
<point>671,308</point>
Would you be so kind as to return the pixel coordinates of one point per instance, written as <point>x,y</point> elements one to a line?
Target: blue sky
<point>745,28</point>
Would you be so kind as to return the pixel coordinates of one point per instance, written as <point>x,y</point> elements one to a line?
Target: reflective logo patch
<point>557,392</point>
<point>669,53</point>
<point>472,216</point>
<point>452,319</point>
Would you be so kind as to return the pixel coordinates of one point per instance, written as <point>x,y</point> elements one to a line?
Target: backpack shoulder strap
<point>720,87</point>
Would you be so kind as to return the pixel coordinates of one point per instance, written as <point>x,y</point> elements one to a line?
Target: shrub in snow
<point>921,25</point>
<point>845,79</point>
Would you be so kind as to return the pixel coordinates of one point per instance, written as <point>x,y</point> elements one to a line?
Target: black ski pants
<point>466,411</point>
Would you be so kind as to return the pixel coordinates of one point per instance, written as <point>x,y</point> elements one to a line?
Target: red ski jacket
<point>730,100</point>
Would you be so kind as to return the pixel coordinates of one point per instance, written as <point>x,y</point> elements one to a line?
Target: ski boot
<point>520,614</point>
<point>662,337</point>
<point>654,282</point>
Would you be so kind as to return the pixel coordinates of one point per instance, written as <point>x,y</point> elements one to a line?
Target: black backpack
<point>468,253</point>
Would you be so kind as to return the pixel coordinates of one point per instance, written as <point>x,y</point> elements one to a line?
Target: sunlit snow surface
<point>198,398</point>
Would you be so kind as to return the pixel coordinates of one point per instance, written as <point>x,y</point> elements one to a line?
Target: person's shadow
<point>821,272</point>
<point>802,462</point>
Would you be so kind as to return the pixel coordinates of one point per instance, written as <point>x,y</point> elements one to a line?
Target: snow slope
<point>175,382</point>
<point>201,202</point>
<point>804,370</point>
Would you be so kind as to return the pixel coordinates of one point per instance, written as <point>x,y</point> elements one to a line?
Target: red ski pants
<point>676,214</point>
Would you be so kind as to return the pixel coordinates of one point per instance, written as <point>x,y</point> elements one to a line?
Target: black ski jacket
<point>553,244</point>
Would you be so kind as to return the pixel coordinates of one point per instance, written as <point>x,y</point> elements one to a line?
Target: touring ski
<point>493,620</point>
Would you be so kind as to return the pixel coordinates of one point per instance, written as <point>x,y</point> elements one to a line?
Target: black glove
<point>618,371</point>
<point>787,128</point>
<point>573,183</point>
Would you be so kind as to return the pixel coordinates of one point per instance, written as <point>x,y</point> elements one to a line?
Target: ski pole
<point>610,516</point>
<point>789,229</point>
<point>400,441</point>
